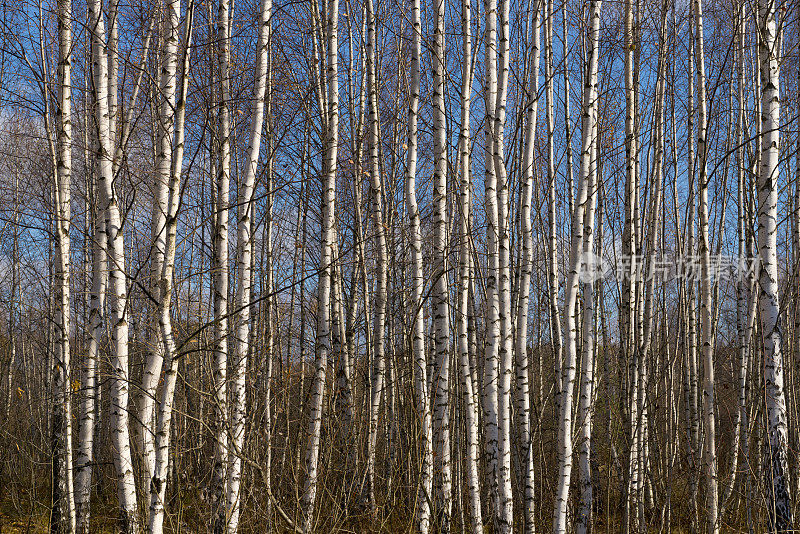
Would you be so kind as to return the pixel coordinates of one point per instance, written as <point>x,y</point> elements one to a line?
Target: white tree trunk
<point>63,505</point>
<point>706,305</point>
<point>166,132</point>
<point>97,299</point>
<point>379,324</point>
<point>586,400</point>
<point>693,417</point>
<point>505,511</point>
<point>417,284</point>
<point>222,475</point>
<point>128,521</point>
<point>492,303</point>
<point>579,236</point>
<point>780,504</point>
<point>163,428</point>
<point>629,285</point>
<point>464,275</point>
<point>556,337</point>
<point>244,243</point>
<point>322,343</point>
<point>523,402</point>
<point>440,293</point>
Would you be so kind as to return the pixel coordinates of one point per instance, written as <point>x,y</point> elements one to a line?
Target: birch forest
<point>435,266</point>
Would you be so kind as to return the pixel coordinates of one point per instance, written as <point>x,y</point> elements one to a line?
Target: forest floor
<point>29,514</point>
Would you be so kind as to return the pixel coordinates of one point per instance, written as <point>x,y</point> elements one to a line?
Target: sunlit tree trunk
<point>692,400</point>
<point>417,284</point>
<point>164,152</point>
<point>244,256</point>
<point>163,427</point>
<point>492,303</point>
<point>505,517</point>
<point>588,334</point>
<point>322,343</point>
<point>780,504</point>
<point>220,261</point>
<point>706,306</point>
<point>62,518</point>
<point>628,315</point>
<point>376,193</point>
<point>579,236</point>
<point>440,294</point>
<point>97,298</point>
<point>552,248</point>
<point>128,520</point>
<point>522,390</point>
<point>463,348</point>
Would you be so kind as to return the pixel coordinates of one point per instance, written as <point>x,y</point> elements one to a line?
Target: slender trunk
<point>579,236</point>
<point>628,290</point>
<point>222,154</point>
<point>588,334</point>
<point>417,283</point>
<point>379,325</point>
<point>567,96</point>
<point>128,520</point>
<point>62,517</point>
<point>552,249</point>
<point>492,313</point>
<point>323,343</point>
<point>523,407</point>
<point>464,275</point>
<point>745,300</point>
<point>693,421</point>
<point>163,427</point>
<point>706,310</point>
<point>440,293</point>
<point>164,147</point>
<point>780,504</point>
<point>244,242</point>
<point>97,299</point>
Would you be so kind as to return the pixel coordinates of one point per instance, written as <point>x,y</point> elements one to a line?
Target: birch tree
<point>322,344</point>
<point>463,348</point>
<point>588,333</point>
<point>492,312</point>
<point>62,517</point>
<point>167,90</point>
<point>244,272</point>
<point>224,461</point>
<point>234,428</point>
<point>552,249</point>
<point>627,326</point>
<point>85,458</point>
<point>440,300</point>
<point>163,429</point>
<point>706,311</point>
<point>417,282</point>
<point>128,521</point>
<point>379,320</point>
<point>526,261</point>
<point>579,233</point>
<point>780,507</point>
